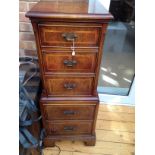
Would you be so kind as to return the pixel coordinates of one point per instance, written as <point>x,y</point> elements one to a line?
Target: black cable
<point>40,147</point>
<point>42,152</point>
<point>58,148</point>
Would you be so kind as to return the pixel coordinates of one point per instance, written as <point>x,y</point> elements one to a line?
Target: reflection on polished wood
<point>73,9</point>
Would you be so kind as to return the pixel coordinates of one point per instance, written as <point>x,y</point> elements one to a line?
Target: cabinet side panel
<point>99,57</point>
<point>35,29</point>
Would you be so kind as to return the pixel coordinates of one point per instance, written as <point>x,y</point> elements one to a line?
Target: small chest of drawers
<point>69,37</point>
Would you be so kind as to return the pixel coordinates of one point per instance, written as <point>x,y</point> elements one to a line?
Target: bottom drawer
<point>68,127</point>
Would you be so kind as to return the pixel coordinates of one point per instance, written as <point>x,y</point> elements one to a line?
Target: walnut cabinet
<point>69,37</point>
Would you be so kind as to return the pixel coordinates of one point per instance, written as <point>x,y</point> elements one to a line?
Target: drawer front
<point>68,127</point>
<point>69,112</point>
<point>59,35</point>
<point>69,86</point>
<point>63,62</point>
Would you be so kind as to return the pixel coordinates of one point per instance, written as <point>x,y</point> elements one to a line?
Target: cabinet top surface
<point>90,9</point>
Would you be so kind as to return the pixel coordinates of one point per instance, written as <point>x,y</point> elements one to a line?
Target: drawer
<point>59,35</point>
<point>63,62</point>
<point>69,86</point>
<point>68,127</point>
<point>69,112</point>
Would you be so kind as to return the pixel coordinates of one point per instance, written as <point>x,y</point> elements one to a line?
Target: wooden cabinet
<point>69,37</point>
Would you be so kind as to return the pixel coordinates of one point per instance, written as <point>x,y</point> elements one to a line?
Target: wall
<point>27,44</point>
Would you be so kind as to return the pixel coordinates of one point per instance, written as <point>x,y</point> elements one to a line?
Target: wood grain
<point>101,147</point>
<point>68,127</point>
<point>51,35</point>
<point>115,116</point>
<point>81,86</point>
<point>69,112</point>
<point>115,125</point>
<point>105,107</point>
<point>55,62</point>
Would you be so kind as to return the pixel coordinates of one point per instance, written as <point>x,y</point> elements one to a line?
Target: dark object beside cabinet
<point>69,37</point>
<point>123,10</point>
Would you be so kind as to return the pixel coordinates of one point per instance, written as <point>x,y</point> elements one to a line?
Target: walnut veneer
<point>69,102</point>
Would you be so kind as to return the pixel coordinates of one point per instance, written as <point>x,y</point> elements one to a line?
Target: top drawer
<point>57,35</point>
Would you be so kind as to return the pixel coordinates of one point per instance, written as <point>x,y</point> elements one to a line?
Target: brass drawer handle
<point>69,128</point>
<point>70,63</point>
<point>69,86</point>
<point>69,112</point>
<point>69,36</point>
